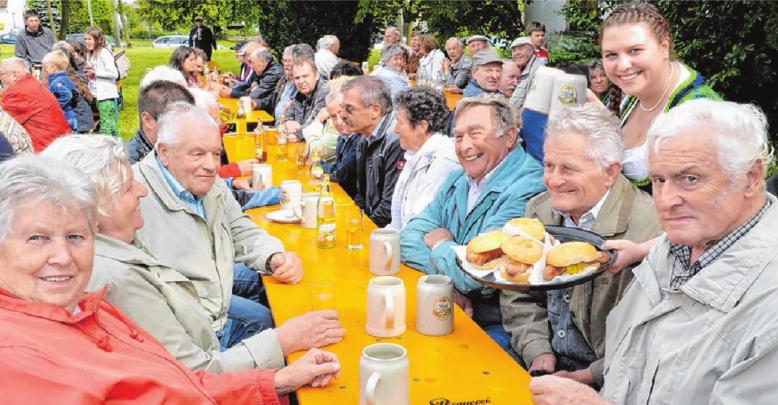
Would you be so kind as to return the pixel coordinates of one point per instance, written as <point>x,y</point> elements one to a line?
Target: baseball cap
<point>238,45</point>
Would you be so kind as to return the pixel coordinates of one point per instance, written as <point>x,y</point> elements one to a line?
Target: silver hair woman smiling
<point>46,238</point>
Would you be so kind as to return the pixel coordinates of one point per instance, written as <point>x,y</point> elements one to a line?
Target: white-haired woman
<point>52,335</point>
<point>391,71</point>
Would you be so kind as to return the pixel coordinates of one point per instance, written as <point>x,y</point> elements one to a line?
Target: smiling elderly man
<point>564,330</point>
<point>486,73</point>
<point>497,181</point>
<point>308,101</point>
<point>523,54</point>
<point>697,324</point>
<point>193,224</point>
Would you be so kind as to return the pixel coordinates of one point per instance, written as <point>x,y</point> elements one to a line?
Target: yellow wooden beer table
<point>253,116</point>
<point>464,367</point>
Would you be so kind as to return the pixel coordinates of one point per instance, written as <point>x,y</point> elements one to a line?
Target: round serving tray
<point>563,235</point>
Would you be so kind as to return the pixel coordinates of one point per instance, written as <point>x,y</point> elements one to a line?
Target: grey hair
<point>19,63</point>
<point>288,51</point>
<point>393,29</point>
<point>372,90</point>
<point>204,100</point>
<point>740,132</point>
<point>598,126</point>
<point>163,72</point>
<point>326,42</point>
<point>388,52</point>
<point>332,96</point>
<point>301,52</point>
<point>32,180</point>
<point>174,114</point>
<point>503,116</point>
<point>459,41</point>
<point>262,54</point>
<point>102,158</point>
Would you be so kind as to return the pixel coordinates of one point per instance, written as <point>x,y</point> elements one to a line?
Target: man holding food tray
<point>697,324</point>
<point>497,181</point>
<point>563,331</point>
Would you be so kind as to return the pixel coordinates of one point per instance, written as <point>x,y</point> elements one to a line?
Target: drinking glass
<point>355,229</point>
<point>283,148</point>
<point>323,293</point>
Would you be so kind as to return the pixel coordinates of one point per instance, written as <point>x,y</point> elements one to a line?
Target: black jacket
<point>344,170</point>
<point>263,92</point>
<point>304,109</point>
<point>206,41</point>
<point>379,161</point>
<point>138,147</point>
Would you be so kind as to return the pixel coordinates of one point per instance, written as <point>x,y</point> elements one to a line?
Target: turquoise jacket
<point>504,197</point>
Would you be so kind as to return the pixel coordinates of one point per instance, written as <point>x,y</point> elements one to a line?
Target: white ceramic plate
<point>282,216</point>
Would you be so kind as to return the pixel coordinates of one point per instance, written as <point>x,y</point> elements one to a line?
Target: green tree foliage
<point>285,22</point>
<point>499,18</point>
<point>77,19</point>
<point>734,44</point>
<point>179,14</point>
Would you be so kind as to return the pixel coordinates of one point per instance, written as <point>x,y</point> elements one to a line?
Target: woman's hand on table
<point>315,368</point>
<point>286,267</point>
<point>312,329</point>
<point>555,390</point>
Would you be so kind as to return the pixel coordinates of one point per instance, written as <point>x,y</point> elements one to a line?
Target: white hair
<point>326,42</point>
<point>17,63</point>
<point>740,131</point>
<point>32,180</point>
<point>163,72</point>
<point>174,114</point>
<point>103,158</point>
<point>261,54</point>
<point>598,126</point>
<point>204,100</point>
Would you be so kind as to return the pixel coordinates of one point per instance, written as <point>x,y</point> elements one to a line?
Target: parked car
<point>8,38</point>
<point>170,41</point>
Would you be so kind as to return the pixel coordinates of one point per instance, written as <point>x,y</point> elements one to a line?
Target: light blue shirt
<point>287,93</point>
<point>395,81</point>
<point>186,197</point>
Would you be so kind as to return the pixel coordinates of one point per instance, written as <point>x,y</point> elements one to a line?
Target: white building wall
<point>12,16</point>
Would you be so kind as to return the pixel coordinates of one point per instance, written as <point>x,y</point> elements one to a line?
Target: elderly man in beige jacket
<point>194,225</point>
<point>563,331</point>
<point>697,325</point>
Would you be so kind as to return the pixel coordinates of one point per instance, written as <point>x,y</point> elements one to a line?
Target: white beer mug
<point>384,252</point>
<point>291,194</point>
<point>569,90</point>
<point>435,305</point>
<point>261,176</point>
<point>383,375</point>
<point>305,210</point>
<point>385,307</point>
<point>540,89</point>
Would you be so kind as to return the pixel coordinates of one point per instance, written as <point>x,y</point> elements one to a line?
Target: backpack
<point>122,63</point>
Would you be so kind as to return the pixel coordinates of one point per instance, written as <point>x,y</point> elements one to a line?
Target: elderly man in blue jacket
<point>497,180</point>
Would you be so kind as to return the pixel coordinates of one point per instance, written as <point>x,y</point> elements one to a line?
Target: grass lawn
<point>143,58</point>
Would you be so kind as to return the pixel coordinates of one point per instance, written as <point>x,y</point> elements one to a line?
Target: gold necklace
<point>667,87</point>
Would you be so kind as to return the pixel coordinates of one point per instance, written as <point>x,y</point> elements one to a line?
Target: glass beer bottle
<point>259,143</point>
<point>325,218</point>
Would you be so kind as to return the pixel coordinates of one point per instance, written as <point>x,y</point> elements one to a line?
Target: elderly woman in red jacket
<point>59,345</point>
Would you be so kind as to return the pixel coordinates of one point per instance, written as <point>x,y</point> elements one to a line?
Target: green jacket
<point>627,213</point>
<point>203,250</point>
<point>164,302</point>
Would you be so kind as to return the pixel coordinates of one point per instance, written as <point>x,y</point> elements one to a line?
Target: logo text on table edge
<point>446,401</point>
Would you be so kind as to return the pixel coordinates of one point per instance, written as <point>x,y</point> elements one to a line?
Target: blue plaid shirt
<point>196,204</point>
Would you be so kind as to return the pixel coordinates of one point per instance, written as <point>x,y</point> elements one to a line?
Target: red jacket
<point>48,356</point>
<point>35,108</point>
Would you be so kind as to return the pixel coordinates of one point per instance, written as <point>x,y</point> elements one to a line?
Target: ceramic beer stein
<point>384,252</point>
<point>383,375</point>
<point>385,307</point>
<point>435,305</point>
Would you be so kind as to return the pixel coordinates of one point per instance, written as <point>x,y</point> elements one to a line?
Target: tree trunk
<point>126,30</point>
<point>51,16</point>
<point>65,25</point>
